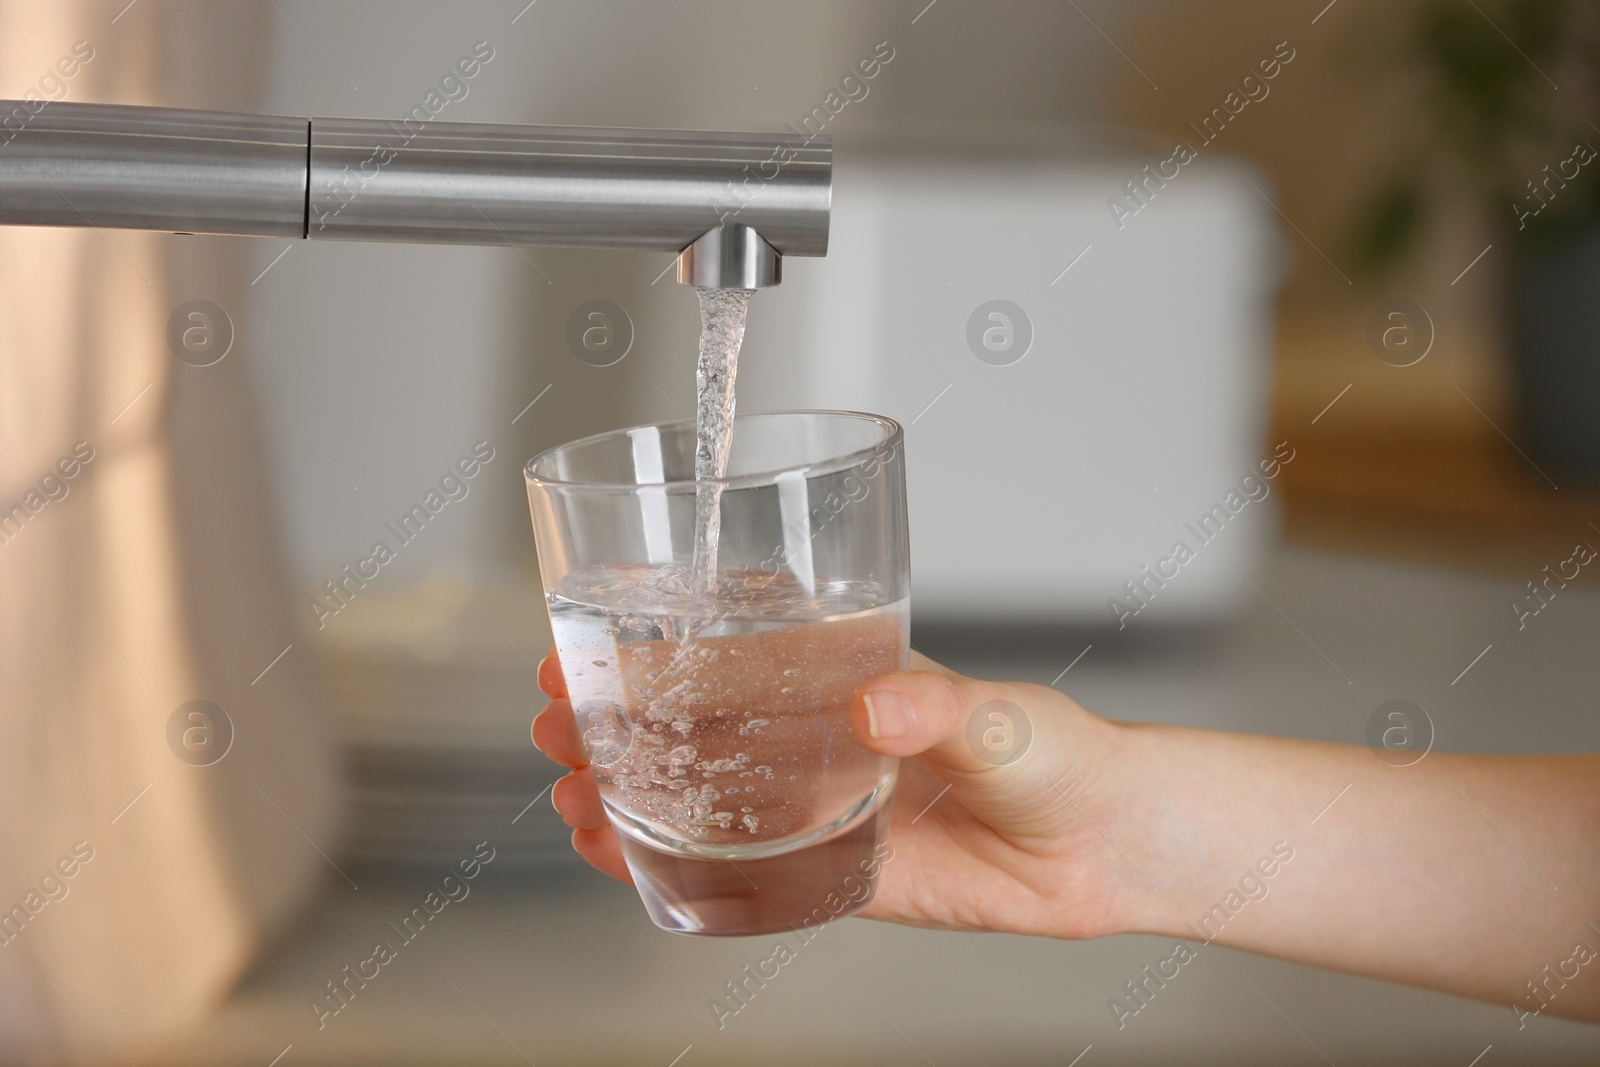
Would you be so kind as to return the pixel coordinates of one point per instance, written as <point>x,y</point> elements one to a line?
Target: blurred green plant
<point>1498,127</point>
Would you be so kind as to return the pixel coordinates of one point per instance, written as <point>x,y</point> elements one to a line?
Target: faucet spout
<point>732,256</point>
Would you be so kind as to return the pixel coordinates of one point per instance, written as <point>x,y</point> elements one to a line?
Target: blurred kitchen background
<point>1336,276</point>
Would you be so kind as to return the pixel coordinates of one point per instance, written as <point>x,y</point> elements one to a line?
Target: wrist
<point>1130,832</point>
<point>1200,827</point>
<point>1145,821</point>
<point>1110,873</point>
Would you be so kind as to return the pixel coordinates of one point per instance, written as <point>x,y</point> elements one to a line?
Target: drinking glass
<point>715,708</point>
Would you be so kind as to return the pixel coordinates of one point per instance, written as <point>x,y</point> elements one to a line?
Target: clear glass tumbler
<point>716,715</point>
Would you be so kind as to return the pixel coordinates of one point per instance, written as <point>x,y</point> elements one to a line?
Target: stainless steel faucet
<point>732,205</point>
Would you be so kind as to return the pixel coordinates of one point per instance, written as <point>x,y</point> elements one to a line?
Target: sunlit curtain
<point>138,574</point>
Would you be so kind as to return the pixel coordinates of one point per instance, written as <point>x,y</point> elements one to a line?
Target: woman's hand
<point>1019,811</point>
<point>1001,788</point>
<point>997,825</point>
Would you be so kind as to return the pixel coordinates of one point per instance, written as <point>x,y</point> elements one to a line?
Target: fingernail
<point>888,714</point>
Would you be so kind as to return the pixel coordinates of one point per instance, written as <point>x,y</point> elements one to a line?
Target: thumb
<point>1019,758</point>
<point>959,724</point>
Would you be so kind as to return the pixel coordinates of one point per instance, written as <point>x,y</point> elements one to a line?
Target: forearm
<point>1469,874</point>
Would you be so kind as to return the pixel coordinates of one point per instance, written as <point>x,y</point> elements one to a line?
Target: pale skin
<point>1474,875</point>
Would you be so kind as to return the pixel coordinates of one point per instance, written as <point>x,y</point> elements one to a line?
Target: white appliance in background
<point>1039,488</point>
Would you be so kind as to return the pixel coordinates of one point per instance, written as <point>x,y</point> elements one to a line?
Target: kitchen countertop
<point>556,965</point>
